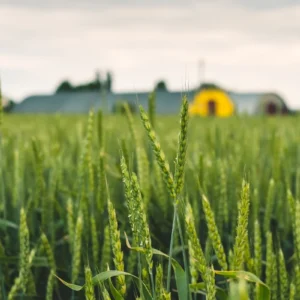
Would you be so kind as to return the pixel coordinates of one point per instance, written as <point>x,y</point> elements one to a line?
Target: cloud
<point>243,47</point>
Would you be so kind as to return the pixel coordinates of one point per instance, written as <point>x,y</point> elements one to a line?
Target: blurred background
<point>241,45</point>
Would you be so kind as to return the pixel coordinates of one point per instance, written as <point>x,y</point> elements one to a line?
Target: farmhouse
<point>206,101</point>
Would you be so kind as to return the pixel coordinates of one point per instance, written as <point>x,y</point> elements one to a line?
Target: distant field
<point>53,173</point>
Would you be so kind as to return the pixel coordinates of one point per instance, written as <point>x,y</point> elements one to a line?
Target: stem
<point>3,198</point>
<point>2,288</point>
<point>171,249</point>
<point>184,255</point>
<point>140,276</point>
<point>152,283</point>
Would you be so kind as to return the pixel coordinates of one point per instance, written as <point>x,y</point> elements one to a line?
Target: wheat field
<point>142,206</point>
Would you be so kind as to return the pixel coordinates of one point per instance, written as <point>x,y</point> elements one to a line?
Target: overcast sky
<point>247,45</point>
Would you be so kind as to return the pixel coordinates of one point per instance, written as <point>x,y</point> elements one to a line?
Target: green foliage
<point>95,85</point>
<point>161,86</point>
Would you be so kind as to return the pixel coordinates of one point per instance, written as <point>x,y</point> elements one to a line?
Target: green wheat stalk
<point>214,234</point>
<point>242,230</point>
<point>116,246</point>
<point>89,287</point>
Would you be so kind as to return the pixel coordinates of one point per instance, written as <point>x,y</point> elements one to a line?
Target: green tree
<point>161,86</point>
<point>209,85</point>
<point>95,85</point>
<point>65,86</point>
<point>9,106</point>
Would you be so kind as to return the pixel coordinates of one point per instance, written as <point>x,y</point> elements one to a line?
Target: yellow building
<point>212,102</point>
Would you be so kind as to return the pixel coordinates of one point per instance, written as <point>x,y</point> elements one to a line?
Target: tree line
<point>98,84</point>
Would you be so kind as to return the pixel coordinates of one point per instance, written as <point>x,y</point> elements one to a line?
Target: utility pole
<point>201,71</point>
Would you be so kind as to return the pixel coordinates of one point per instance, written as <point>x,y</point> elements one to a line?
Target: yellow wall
<point>224,106</point>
